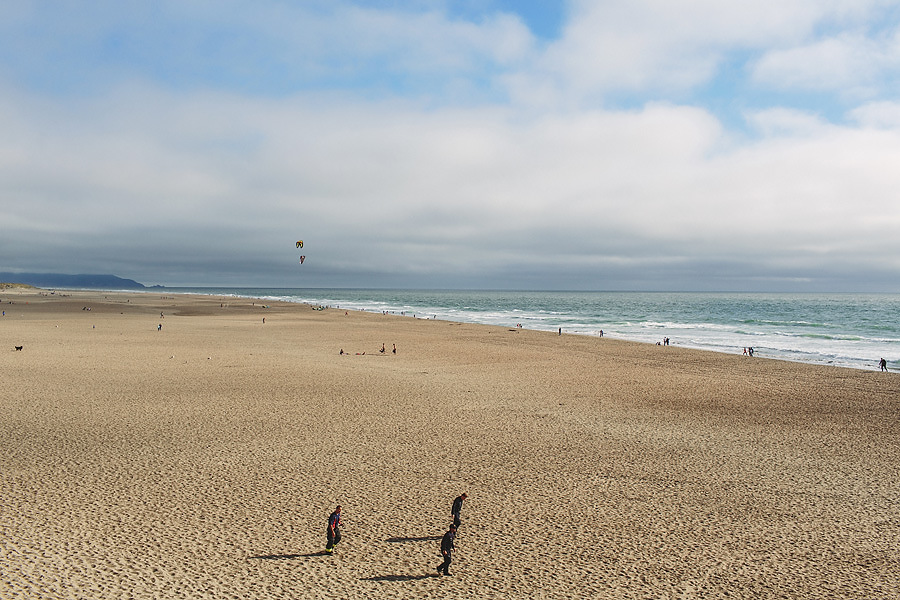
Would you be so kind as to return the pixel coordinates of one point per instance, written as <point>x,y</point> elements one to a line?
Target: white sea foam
<point>838,329</point>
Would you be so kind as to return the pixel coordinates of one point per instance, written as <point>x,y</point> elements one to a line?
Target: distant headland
<point>83,281</point>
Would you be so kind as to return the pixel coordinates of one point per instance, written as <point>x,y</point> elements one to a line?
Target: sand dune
<point>202,460</point>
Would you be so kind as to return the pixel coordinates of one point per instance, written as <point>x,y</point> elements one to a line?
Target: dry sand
<point>202,460</point>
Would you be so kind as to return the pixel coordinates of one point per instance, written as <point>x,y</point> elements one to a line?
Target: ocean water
<point>849,330</point>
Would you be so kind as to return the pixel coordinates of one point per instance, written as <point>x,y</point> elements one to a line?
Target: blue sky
<point>639,144</point>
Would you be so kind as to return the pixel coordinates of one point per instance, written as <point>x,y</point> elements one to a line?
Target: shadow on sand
<point>399,577</point>
<point>287,556</point>
<point>427,538</point>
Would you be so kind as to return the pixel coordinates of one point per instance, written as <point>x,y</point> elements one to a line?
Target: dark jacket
<point>447,542</point>
<point>457,506</point>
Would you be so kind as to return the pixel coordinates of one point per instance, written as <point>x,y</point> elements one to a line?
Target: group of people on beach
<point>382,351</point>
<point>448,541</point>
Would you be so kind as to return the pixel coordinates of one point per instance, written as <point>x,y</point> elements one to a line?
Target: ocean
<point>848,330</point>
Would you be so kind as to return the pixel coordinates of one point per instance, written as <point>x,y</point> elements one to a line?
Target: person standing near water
<point>883,365</point>
<point>334,530</point>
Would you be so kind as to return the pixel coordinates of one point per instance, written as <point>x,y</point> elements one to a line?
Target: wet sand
<point>202,459</point>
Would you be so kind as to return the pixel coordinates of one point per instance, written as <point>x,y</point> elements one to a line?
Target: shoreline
<point>202,459</point>
<point>862,365</point>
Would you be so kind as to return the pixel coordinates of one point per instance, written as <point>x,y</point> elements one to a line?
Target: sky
<point>667,145</point>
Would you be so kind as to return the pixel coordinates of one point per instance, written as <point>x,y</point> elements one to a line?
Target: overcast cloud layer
<point>608,144</point>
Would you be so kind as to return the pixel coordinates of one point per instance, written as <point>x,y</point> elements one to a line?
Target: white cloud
<point>851,63</point>
<point>877,115</point>
<point>421,42</point>
<point>659,46</point>
<point>265,48</point>
<point>208,179</point>
<point>779,122</point>
<point>394,188</point>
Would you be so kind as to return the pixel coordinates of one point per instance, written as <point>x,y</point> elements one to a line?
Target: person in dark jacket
<point>457,506</point>
<point>334,530</point>
<point>447,550</point>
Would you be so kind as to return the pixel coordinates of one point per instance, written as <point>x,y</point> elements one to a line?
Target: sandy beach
<point>199,453</point>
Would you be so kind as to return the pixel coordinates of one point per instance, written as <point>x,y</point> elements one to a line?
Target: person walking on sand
<point>334,530</point>
<point>447,546</point>
<point>883,365</point>
<point>456,508</point>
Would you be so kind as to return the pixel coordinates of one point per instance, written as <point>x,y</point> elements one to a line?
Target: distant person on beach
<point>395,349</point>
<point>456,508</point>
<point>883,365</point>
<point>447,550</point>
<point>382,349</point>
<point>334,530</point>
<point>560,331</point>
